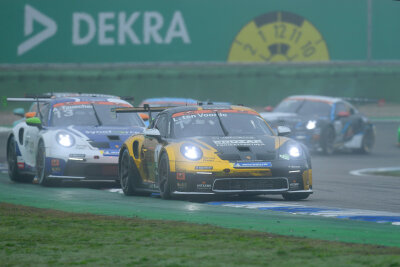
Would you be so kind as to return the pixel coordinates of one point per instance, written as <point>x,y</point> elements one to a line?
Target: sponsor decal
<point>180,176</point>
<point>238,142</point>
<point>285,156</point>
<point>263,164</point>
<point>208,159</point>
<point>181,185</point>
<point>203,186</point>
<point>111,153</point>
<point>55,169</point>
<point>203,167</point>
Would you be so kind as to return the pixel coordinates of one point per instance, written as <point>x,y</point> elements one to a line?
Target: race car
<point>213,149</point>
<point>69,138</point>
<point>324,124</point>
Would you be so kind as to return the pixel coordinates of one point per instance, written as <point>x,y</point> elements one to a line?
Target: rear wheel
<point>368,142</point>
<point>13,164</point>
<point>327,139</point>
<point>295,196</point>
<point>128,175</point>
<point>163,177</point>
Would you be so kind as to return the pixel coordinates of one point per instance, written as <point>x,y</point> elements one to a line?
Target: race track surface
<point>335,188</point>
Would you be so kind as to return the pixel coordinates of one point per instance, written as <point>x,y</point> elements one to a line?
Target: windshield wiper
<point>97,116</point>
<point>222,125</point>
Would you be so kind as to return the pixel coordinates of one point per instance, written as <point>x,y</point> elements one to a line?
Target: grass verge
<point>31,236</point>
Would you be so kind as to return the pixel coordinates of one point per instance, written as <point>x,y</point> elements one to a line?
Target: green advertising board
<point>126,31</point>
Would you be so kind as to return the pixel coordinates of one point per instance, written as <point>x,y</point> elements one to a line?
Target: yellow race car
<point>213,149</point>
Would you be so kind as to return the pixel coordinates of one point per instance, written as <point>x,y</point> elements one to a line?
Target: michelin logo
<point>238,142</point>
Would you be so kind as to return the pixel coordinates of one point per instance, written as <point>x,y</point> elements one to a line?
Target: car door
<point>32,135</point>
<point>152,146</point>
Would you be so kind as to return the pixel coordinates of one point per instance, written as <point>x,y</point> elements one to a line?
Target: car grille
<point>250,184</point>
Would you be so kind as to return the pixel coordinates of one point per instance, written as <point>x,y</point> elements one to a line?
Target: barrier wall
<point>252,85</point>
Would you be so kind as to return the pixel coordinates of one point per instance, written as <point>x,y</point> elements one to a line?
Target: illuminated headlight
<point>65,139</point>
<point>294,151</point>
<point>191,152</point>
<point>311,125</point>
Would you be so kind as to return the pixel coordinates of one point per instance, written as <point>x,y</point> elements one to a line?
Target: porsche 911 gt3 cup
<point>74,138</point>
<point>213,149</point>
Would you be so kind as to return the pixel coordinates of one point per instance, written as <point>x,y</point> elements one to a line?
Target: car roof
<point>174,110</point>
<point>315,98</point>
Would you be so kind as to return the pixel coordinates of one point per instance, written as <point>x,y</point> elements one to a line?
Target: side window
<point>45,113</point>
<point>162,125</point>
<point>341,107</point>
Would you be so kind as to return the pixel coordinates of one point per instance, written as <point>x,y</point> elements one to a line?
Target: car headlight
<point>294,151</point>
<point>191,152</point>
<point>311,125</point>
<point>65,139</point>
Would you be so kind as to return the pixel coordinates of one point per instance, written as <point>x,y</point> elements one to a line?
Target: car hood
<point>105,137</point>
<point>241,148</point>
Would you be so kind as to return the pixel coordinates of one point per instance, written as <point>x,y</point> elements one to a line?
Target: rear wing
<point>359,100</point>
<point>145,108</point>
<point>28,99</point>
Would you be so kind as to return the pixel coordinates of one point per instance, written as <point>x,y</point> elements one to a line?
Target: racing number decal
<point>278,36</point>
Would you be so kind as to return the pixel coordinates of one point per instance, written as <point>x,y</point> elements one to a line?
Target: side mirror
<point>283,130</point>
<point>30,114</point>
<point>154,133</point>
<point>268,109</point>
<point>343,114</point>
<point>19,112</point>
<point>144,116</point>
<point>35,121</point>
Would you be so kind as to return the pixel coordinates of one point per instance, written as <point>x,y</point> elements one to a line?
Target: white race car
<point>70,138</point>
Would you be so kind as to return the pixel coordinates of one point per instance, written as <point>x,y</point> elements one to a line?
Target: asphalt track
<point>335,189</point>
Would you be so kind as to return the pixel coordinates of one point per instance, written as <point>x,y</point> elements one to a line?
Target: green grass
<point>31,236</point>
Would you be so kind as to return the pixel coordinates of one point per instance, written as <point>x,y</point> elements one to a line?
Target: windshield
<point>92,114</point>
<point>304,107</point>
<point>218,123</point>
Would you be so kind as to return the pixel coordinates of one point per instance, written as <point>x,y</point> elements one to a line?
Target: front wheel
<point>163,177</point>
<point>13,165</point>
<point>295,196</point>
<point>41,172</point>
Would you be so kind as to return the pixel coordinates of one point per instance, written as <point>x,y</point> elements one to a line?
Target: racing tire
<point>367,142</point>
<point>128,175</point>
<point>13,172</point>
<point>163,177</point>
<point>41,172</point>
<point>294,196</point>
<point>328,137</point>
